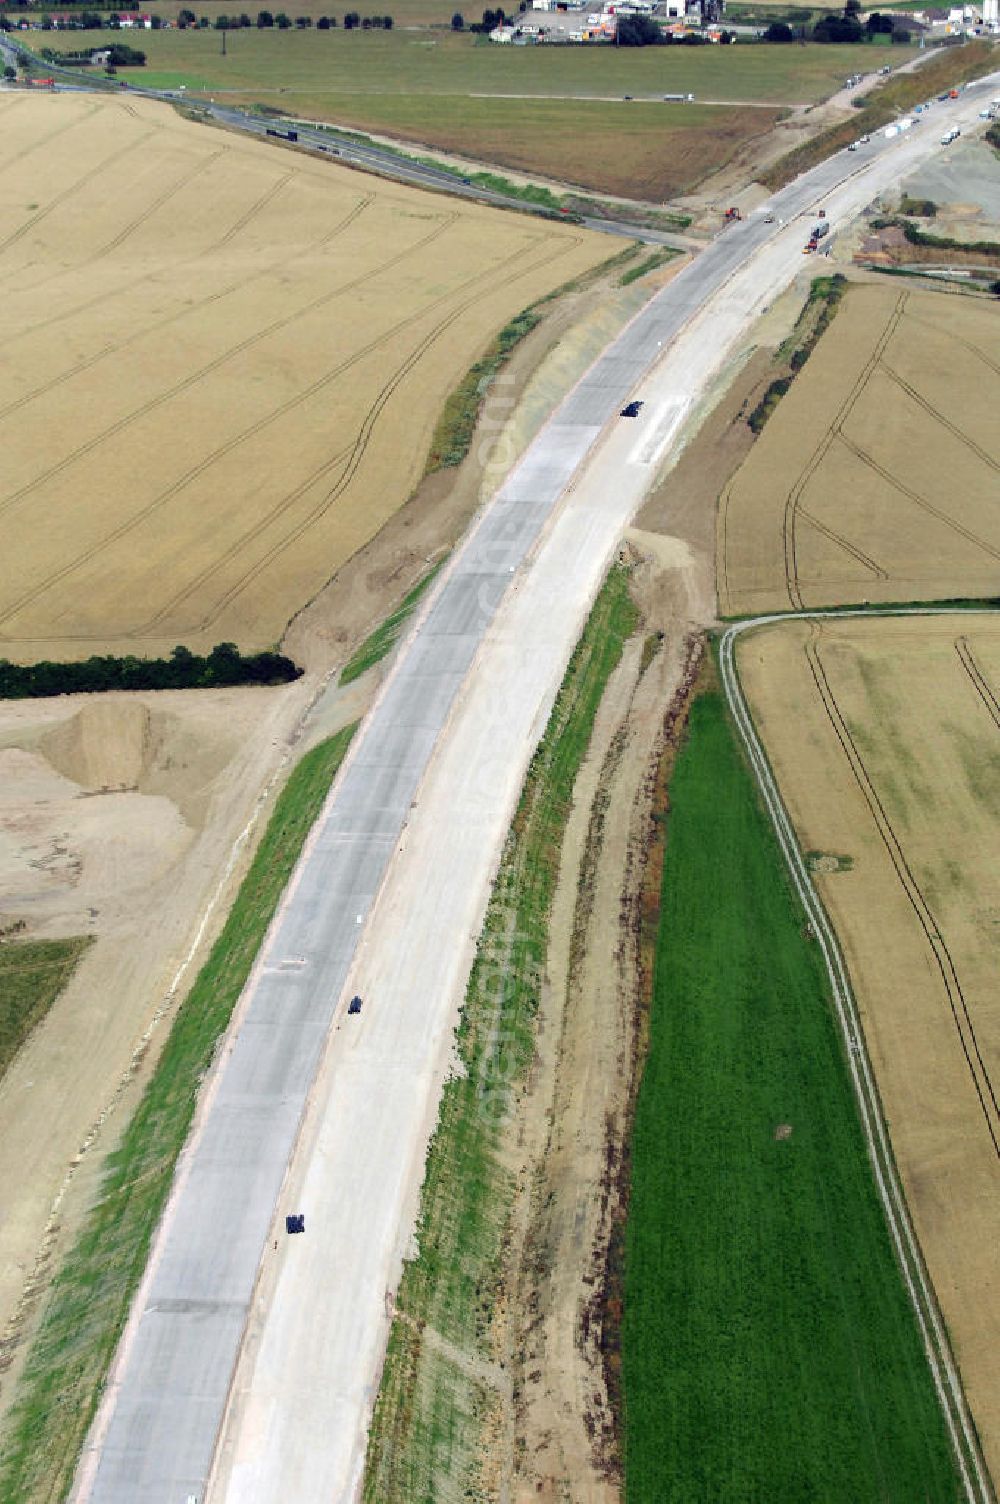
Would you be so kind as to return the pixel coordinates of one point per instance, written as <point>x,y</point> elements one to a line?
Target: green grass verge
<point>384,638</point>
<point>769,1350</point>
<point>32,975</point>
<point>953,66</point>
<point>457,423</point>
<point>89,1301</point>
<point>825,294</point>
<point>432,1403</point>
<point>649,265</point>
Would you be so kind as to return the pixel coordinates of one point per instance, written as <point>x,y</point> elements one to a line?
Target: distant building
<point>693,12</point>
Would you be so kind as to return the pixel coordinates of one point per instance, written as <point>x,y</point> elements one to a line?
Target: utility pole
<point>224,30</point>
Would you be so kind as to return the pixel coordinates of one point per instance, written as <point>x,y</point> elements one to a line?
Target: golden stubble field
<point>885,739</point>
<point>223,364</point>
<point>876,477</point>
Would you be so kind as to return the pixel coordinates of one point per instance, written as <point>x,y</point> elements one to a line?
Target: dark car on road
<point>631,410</point>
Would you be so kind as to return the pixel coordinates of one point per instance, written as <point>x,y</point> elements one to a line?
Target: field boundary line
<point>976,1483</point>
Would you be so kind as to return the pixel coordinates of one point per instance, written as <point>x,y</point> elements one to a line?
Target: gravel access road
<point>258,1367</point>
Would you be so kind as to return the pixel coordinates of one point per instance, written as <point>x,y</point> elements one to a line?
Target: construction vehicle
<point>630,410</point>
<point>732,215</point>
<point>354,1006</point>
<point>296,1223</point>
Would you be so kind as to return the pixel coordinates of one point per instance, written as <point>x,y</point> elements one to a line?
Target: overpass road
<point>248,1373</point>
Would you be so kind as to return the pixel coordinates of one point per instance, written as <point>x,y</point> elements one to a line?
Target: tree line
<point>224,667</point>
<point>845,27</point>
<point>89,20</point>
<point>283,22</point>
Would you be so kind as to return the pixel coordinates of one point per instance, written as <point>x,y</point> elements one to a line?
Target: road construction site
<point>402,856</point>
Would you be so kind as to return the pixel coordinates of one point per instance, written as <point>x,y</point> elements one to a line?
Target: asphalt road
<point>554,521</point>
<point>359,154</point>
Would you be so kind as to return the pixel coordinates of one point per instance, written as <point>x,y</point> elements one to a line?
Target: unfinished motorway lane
<point>247,1374</point>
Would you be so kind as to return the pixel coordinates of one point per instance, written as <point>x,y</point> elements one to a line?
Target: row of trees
<point>283,22</point>
<point>90,20</point>
<point>224,667</point>
<point>86,20</point>
<point>119,56</point>
<point>266,18</point>
<point>841,28</point>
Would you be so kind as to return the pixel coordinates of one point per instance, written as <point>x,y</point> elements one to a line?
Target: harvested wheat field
<point>876,477</point>
<point>224,362</point>
<point>885,739</point>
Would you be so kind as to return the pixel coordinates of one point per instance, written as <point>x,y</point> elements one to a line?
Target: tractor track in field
<point>188,309</point>
<point>975,1479</point>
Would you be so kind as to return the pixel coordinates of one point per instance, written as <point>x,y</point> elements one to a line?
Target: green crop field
<point>32,975</point>
<point>559,112</point>
<point>329,64</point>
<point>769,1351</point>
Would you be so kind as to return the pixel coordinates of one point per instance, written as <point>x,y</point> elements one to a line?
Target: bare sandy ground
<point>573,1123</point>
<point>123,816</point>
<point>883,737</point>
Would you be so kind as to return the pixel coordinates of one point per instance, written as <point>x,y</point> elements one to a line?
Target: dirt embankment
<point>132,818</point>
<point>571,1130</point>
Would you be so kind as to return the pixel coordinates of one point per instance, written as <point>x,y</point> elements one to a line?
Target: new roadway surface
<point>247,1373</point>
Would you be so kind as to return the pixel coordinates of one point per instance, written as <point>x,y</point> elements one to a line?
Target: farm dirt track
<point>224,364</point>
<point>883,736</point>
<point>876,476</point>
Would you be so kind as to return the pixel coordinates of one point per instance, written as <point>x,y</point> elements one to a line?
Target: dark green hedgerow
<point>824,300</point>
<point>223,667</point>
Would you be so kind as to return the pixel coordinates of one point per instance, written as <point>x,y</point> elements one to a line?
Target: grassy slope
<point>89,1301</point>
<point>430,1412</point>
<point>423,87</point>
<point>769,1350</point>
<point>954,65</point>
<point>32,975</point>
<point>385,636</point>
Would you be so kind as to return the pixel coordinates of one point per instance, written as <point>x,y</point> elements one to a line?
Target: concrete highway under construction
<point>247,1372</point>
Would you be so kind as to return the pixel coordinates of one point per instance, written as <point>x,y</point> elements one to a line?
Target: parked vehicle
<point>354,1006</point>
